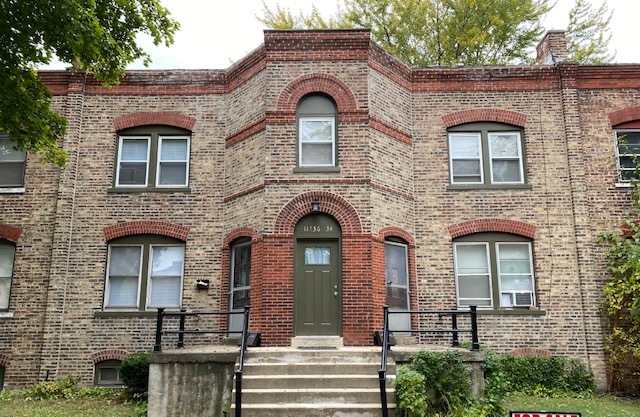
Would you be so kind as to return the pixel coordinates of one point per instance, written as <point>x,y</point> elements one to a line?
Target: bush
<point>410,392</point>
<point>60,388</point>
<point>134,372</point>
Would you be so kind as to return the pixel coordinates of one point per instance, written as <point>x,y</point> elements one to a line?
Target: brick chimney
<point>552,48</point>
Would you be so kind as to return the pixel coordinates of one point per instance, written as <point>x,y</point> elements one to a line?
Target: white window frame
<point>457,273</point>
<point>501,274</point>
<point>107,291</point>
<point>492,134</point>
<point>406,270</point>
<point>452,135</point>
<point>617,134</point>
<point>23,160</point>
<point>150,306</point>
<point>186,177</point>
<point>9,278</point>
<point>301,121</point>
<point>121,140</point>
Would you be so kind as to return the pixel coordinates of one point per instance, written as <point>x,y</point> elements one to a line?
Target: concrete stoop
<point>293,382</point>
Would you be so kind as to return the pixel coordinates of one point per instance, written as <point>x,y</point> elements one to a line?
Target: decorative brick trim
<point>492,225</point>
<point>238,233</point>
<point>391,231</point>
<point>10,233</point>
<point>244,192</point>
<point>625,115</point>
<point>109,355</point>
<point>316,83</point>
<point>331,204</point>
<point>146,227</point>
<point>474,79</point>
<point>484,115</point>
<point>392,191</point>
<point>154,118</point>
<point>4,360</point>
<point>392,131</point>
<point>245,132</point>
<point>530,352</point>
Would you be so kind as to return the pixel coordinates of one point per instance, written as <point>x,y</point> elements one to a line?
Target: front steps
<point>313,382</point>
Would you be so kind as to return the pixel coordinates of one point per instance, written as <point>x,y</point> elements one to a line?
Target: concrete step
<point>313,368</point>
<point>309,381</point>
<point>312,410</point>
<point>313,396</point>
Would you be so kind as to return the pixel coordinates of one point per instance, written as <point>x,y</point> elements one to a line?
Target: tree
<point>435,32</point>
<point>98,36</point>
<point>588,34</point>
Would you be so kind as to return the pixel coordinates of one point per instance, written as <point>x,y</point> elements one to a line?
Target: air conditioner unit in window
<point>523,299</point>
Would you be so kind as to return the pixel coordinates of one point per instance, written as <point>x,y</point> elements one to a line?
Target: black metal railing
<point>454,330</point>
<point>183,314</point>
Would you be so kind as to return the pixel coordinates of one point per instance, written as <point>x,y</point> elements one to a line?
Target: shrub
<point>60,388</point>
<point>410,392</point>
<point>134,372</point>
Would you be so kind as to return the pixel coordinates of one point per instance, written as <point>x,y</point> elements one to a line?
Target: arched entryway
<point>317,276</point>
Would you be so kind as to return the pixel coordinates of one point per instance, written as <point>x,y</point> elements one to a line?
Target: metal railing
<point>454,330</point>
<point>157,347</point>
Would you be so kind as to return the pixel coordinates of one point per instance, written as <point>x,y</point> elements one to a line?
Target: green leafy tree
<point>98,36</point>
<point>435,32</point>
<point>588,33</point>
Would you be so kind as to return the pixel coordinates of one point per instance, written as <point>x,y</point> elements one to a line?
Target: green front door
<point>317,288</point>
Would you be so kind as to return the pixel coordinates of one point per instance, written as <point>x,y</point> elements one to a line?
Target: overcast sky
<point>216,33</point>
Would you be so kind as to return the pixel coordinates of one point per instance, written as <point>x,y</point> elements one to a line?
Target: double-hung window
<point>153,157</point>
<point>487,154</point>
<point>144,272</point>
<point>494,270</point>
<point>317,143</point>
<point>628,152</point>
<point>7,255</point>
<point>12,163</point>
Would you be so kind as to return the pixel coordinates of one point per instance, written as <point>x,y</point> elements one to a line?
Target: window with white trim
<point>152,157</point>
<point>12,164</point>
<point>7,256</point>
<point>494,270</point>
<point>144,272</point>
<point>317,144</point>
<point>627,153</point>
<point>489,154</point>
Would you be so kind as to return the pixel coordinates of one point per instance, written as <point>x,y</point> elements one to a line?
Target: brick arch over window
<point>148,227</point>
<point>625,115</point>
<point>238,233</point>
<point>10,233</point>
<point>4,359</point>
<point>484,115</point>
<point>316,83</point>
<point>331,204</point>
<point>154,118</point>
<point>397,232</point>
<point>109,355</point>
<point>492,225</point>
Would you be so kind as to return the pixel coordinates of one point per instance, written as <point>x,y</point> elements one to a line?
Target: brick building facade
<point>324,178</point>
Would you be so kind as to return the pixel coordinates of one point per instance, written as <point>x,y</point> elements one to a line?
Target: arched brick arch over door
<point>316,83</point>
<point>331,204</point>
<point>492,225</point>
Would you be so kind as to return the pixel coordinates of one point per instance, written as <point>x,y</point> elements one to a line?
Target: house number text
<point>317,229</point>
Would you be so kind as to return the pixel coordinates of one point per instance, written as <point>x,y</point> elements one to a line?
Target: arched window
<point>7,255</point>
<point>628,149</point>
<point>240,281</point>
<point>486,154</point>
<point>317,138</point>
<point>144,272</point>
<point>396,264</point>
<point>107,374</point>
<point>494,270</point>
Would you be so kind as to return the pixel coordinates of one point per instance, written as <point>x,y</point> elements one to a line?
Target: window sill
<point>12,190</point>
<point>458,187</point>
<point>111,314</point>
<point>315,169</point>
<point>6,314</point>
<point>512,312</point>
<point>125,190</point>
<point>624,185</point>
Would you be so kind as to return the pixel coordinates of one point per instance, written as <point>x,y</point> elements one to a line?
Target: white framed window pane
<point>472,259</point>
<point>473,276</point>
<point>134,149</point>
<point>167,260</point>
<point>515,267</point>
<point>167,264</point>
<point>125,260</point>
<point>174,149</point>
<point>7,253</point>
<point>316,154</point>
<point>474,287</point>
<point>5,290</point>
<point>516,283</point>
<point>483,302</point>
<point>463,145</point>
<point>316,130</point>
<point>466,170</point>
<point>465,158</point>
<point>628,149</point>
<point>395,264</point>
<point>134,161</point>
<point>320,255</point>
<point>317,141</point>
<point>165,291</point>
<point>11,164</point>
<point>123,292</point>
<point>506,160</point>
<point>172,173</point>
<point>8,153</point>
<point>504,145</point>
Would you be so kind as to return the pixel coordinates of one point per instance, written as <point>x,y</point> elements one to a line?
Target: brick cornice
<point>10,233</point>
<point>492,225</point>
<point>624,115</point>
<point>484,115</point>
<point>317,45</point>
<point>146,227</point>
<point>154,118</point>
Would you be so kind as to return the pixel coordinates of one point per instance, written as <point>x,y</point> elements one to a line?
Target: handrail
<point>475,345</point>
<point>157,347</point>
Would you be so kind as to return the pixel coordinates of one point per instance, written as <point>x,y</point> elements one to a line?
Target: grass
<point>76,407</point>
<point>596,406</point>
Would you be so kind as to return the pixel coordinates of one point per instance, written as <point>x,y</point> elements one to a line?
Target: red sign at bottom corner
<point>543,414</point>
